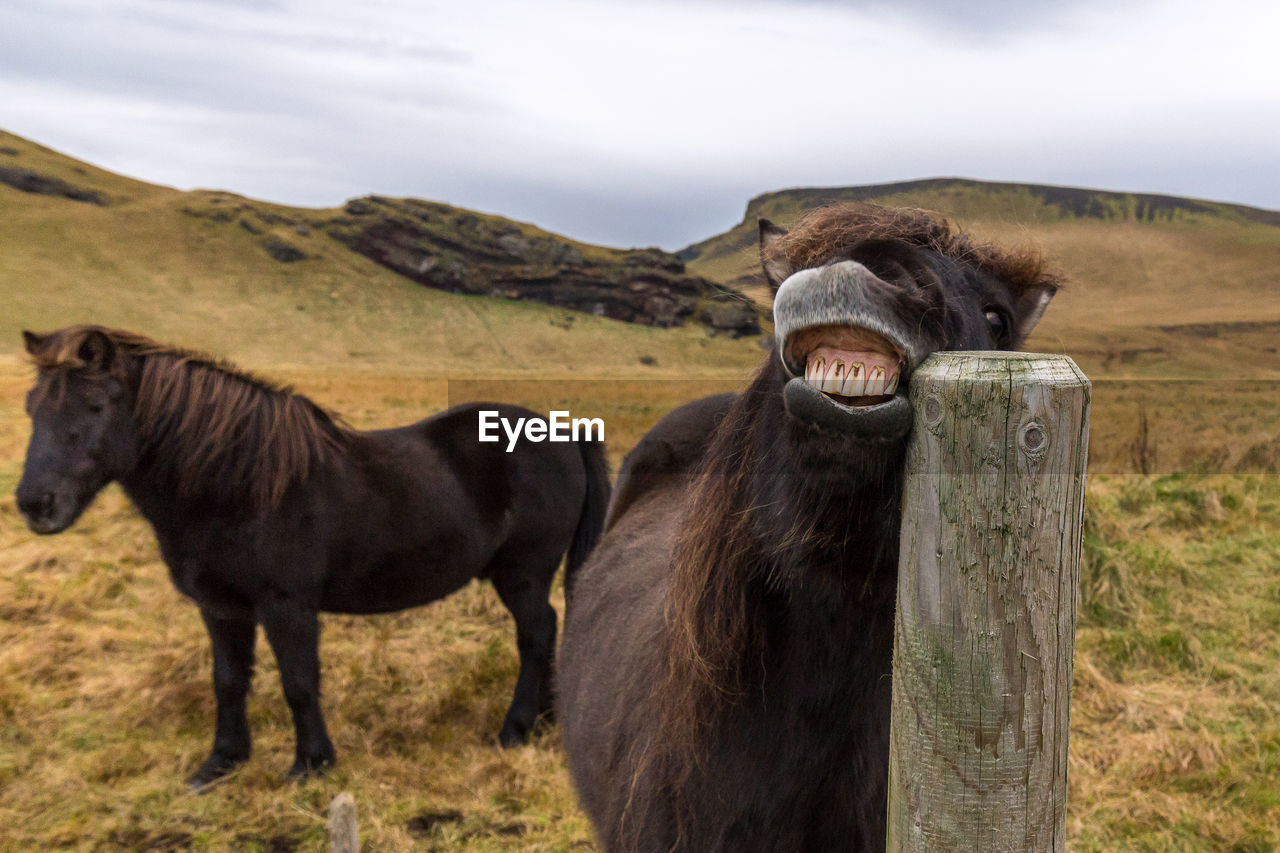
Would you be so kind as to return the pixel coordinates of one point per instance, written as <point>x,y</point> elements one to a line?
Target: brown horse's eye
<point>999,329</point>
<point>96,408</point>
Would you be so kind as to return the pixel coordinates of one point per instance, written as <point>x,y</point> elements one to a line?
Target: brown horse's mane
<point>825,232</point>
<point>212,427</point>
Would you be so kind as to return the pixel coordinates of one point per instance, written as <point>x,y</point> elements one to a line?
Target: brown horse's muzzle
<point>848,356</point>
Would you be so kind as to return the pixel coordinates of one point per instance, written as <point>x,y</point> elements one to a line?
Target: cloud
<point>652,122</point>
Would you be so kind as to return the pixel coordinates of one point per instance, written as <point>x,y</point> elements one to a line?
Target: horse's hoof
<point>214,770</point>
<point>302,770</point>
<point>512,736</point>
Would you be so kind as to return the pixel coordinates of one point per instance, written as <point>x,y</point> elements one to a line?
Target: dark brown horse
<point>724,676</point>
<point>268,510</point>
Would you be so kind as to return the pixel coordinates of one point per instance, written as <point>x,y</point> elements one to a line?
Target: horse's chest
<point>216,571</point>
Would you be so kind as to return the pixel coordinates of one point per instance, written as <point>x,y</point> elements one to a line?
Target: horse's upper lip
<point>847,353</point>
<point>840,305</point>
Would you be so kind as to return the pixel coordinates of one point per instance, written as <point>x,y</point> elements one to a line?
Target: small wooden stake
<point>343,834</point>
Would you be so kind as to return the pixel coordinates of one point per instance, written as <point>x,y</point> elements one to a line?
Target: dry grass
<point>1175,742</point>
<point>105,701</point>
<point>105,696</point>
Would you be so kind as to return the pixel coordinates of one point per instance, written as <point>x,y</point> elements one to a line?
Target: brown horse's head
<point>83,433</point>
<point>110,404</point>
<point>863,294</point>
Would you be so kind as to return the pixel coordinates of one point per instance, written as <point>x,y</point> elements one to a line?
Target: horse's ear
<point>33,342</point>
<point>1029,308</point>
<point>776,267</point>
<point>97,351</point>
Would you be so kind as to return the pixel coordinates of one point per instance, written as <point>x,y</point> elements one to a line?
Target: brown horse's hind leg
<point>294,635</point>
<point>525,595</point>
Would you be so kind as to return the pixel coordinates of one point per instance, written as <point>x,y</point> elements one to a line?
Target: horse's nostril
<point>38,507</point>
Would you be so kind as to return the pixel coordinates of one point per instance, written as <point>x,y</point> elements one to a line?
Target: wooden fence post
<point>992,519</point>
<point>344,836</point>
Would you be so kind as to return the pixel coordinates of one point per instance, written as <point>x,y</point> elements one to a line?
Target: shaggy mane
<point>213,428</point>
<point>823,233</point>
<point>711,621</point>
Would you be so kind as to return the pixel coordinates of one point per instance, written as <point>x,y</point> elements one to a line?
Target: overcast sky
<point>648,123</point>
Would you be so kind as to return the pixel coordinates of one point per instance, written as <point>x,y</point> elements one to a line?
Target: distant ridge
<point>1076,201</point>
<point>968,200</point>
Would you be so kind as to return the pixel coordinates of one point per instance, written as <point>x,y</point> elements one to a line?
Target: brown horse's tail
<point>594,507</point>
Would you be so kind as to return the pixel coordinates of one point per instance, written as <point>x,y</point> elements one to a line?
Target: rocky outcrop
<point>34,182</point>
<point>456,250</point>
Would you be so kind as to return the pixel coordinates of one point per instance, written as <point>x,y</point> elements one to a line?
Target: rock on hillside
<point>453,249</point>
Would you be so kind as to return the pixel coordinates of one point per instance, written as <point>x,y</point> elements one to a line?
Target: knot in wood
<point>1033,439</point>
<point>932,411</point>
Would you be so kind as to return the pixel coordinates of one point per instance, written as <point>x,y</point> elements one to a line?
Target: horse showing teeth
<point>724,680</point>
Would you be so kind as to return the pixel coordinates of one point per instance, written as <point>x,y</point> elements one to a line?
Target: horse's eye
<point>997,324</point>
<point>96,408</point>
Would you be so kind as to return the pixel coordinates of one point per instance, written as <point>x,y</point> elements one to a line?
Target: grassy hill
<point>1158,286</point>
<point>265,284</point>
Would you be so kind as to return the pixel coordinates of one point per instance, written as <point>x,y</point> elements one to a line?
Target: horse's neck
<point>156,500</point>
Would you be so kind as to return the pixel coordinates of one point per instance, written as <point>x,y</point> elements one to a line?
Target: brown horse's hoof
<point>515,734</point>
<point>512,736</point>
<point>214,769</point>
<point>304,769</point>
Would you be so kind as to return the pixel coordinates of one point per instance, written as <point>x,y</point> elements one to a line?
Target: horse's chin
<point>880,423</point>
<point>50,525</point>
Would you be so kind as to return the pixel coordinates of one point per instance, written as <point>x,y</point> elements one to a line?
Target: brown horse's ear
<point>1029,308</point>
<point>97,351</point>
<point>776,267</point>
<point>33,342</point>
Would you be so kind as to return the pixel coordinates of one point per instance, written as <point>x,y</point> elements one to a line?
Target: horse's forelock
<point>828,232</point>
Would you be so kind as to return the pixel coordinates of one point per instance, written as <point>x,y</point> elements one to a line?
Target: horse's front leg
<point>294,634</point>
<point>232,641</point>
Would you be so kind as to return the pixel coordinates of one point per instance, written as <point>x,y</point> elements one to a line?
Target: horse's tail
<point>594,507</point>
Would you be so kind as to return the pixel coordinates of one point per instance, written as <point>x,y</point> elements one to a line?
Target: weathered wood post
<point>990,558</point>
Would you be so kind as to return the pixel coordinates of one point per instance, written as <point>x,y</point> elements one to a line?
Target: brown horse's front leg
<point>232,641</point>
<point>294,634</point>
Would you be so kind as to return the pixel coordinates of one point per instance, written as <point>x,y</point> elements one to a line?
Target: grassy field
<point>105,696</point>
<point>105,702</point>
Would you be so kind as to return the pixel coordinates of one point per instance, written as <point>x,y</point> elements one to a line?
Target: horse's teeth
<point>828,382</point>
<point>850,379</point>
